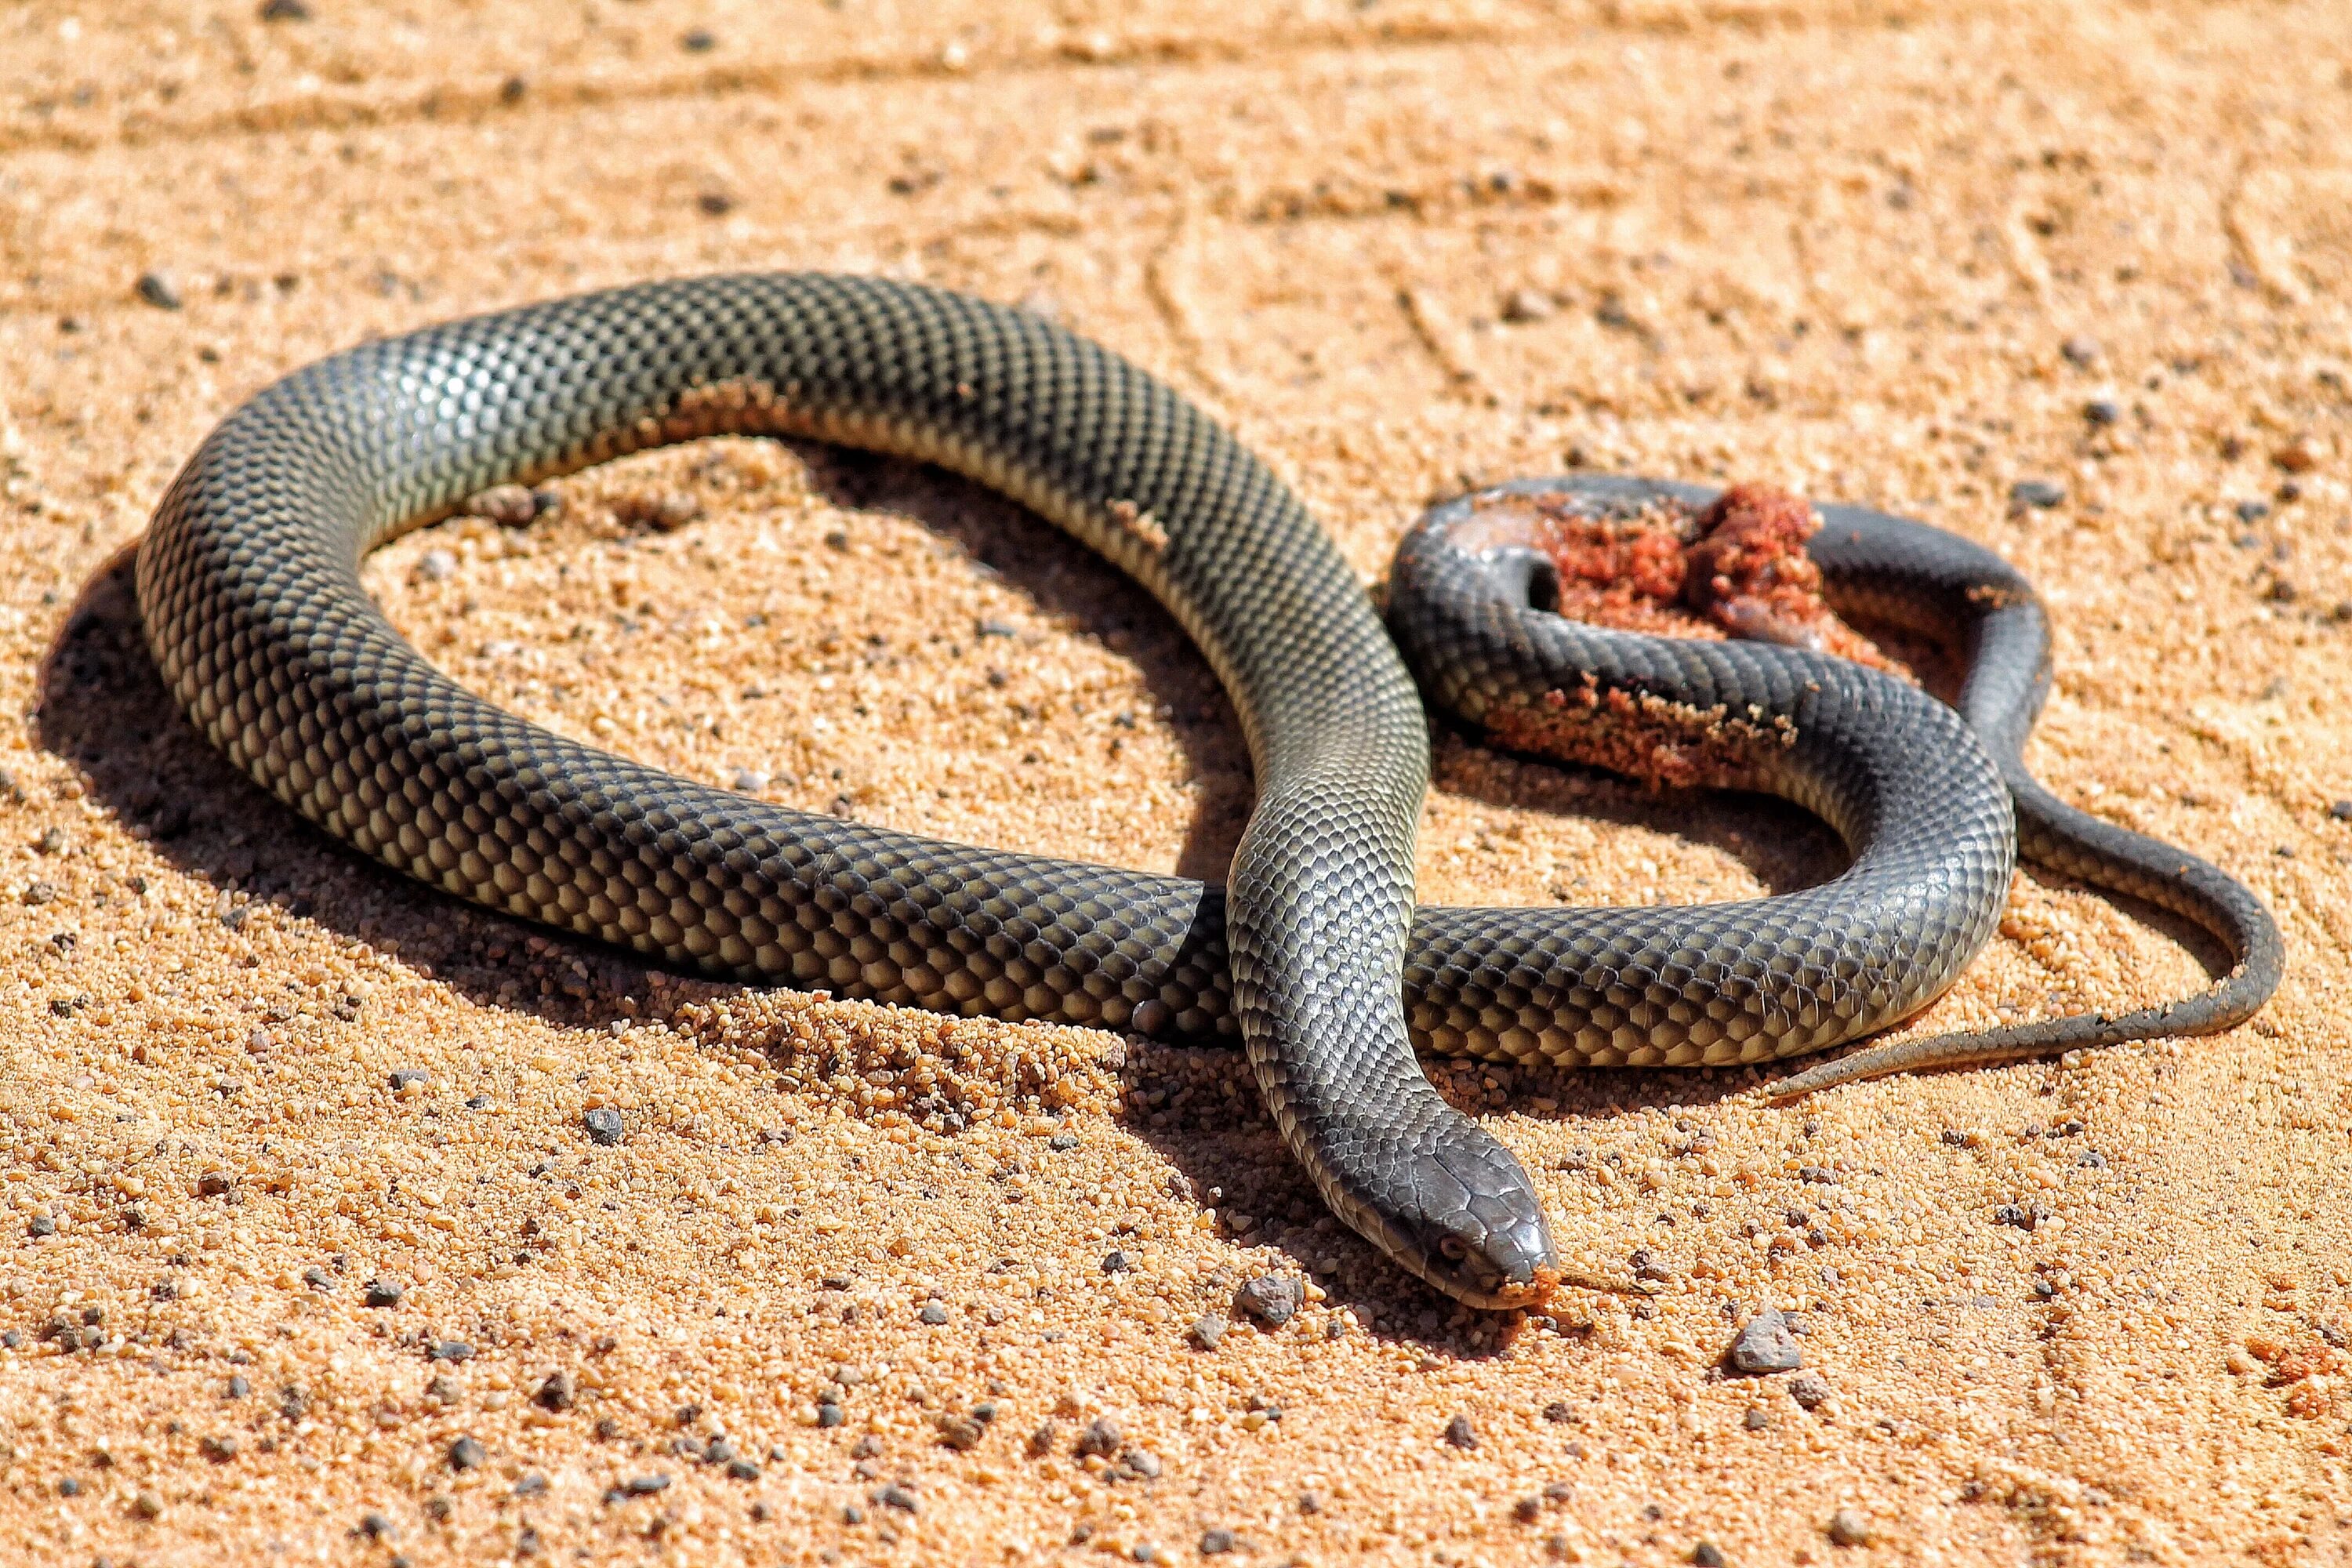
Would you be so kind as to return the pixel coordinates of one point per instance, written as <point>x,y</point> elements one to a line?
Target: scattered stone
<point>1062,1142</point>
<point>2253,509</point>
<point>453,1351</point>
<point>934,1313</point>
<point>1527,1509</point>
<point>157,289</point>
<point>829,1414</point>
<point>385,1291</point>
<point>646,1486</point>
<point>1707,1554</point>
<point>1101,1436</point>
<point>664,513</point>
<point>239,1386</point>
<point>699,41</point>
<point>1116,1263</point>
<point>1810,1390</point>
<point>1755,1420</point>
<point>38,893</point>
<point>1460,1434</point>
<point>2040,494</point>
<point>1557,1411</point>
<point>285,10</point>
<point>1271,1298</point>
<point>2341,810</point>
<point>2081,352</point>
<point>750,780</point>
<point>895,1496</point>
<point>2024,1216</point>
<point>41,1224</point>
<point>147,1505</point>
<point>409,1077</point>
<point>604,1125</point>
<point>467,1454</point>
<point>556,1393</point>
<point>1208,1330</point>
<point>2102,411</point>
<point>1766,1345</point>
<point>531,1485</point>
<point>1041,1441</point>
<point>1523,305</point>
<point>742,1471</point>
<point>714,203</point>
<point>1140,1463</point>
<point>220,1450</point>
<point>509,506</point>
<point>1216,1541</point>
<point>961,1433</point>
<point>1847,1528</point>
<point>2296,457</point>
<point>69,1487</point>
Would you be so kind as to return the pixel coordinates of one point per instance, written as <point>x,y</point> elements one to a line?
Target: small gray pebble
<point>438,566</point>
<point>2080,351</point>
<point>318,1278</point>
<point>157,289</point>
<point>1208,1330</point>
<point>1216,1542</point>
<point>604,1125</point>
<point>1101,1436</point>
<point>1062,1142</point>
<point>961,1433</point>
<point>1707,1554</point>
<point>1765,1344</point>
<point>742,1471</point>
<point>1847,1528</point>
<point>1460,1434</point>
<point>2041,494</point>
<point>467,1453</point>
<point>404,1077</point>
<point>898,1497</point>
<point>1271,1298</point>
<point>1526,305</point>
<point>933,1313</point>
<point>1116,1263</point>
<point>646,1486</point>
<point>1810,1390</point>
<point>1755,1420</point>
<point>750,780</point>
<point>385,1291</point>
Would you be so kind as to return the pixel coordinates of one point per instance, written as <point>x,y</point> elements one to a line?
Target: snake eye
<point>1453,1249</point>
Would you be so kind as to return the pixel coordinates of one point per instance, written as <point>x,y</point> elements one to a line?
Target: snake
<point>1313,954</point>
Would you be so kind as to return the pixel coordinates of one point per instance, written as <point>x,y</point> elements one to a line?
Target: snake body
<point>249,590</point>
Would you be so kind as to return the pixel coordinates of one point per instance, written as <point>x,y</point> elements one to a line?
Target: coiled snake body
<point>249,590</point>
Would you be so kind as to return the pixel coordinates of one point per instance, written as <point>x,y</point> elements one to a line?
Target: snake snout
<point>1486,1241</point>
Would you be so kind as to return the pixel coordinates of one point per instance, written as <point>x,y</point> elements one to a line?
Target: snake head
<point>1475,1229</point>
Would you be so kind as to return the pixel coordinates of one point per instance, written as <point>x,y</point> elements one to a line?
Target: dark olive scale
<point>248,585</point>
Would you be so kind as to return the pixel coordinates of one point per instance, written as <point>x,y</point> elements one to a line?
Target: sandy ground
<point>1886,252</point>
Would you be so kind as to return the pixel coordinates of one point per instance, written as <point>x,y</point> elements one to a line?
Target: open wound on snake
<point>1737,568</point>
